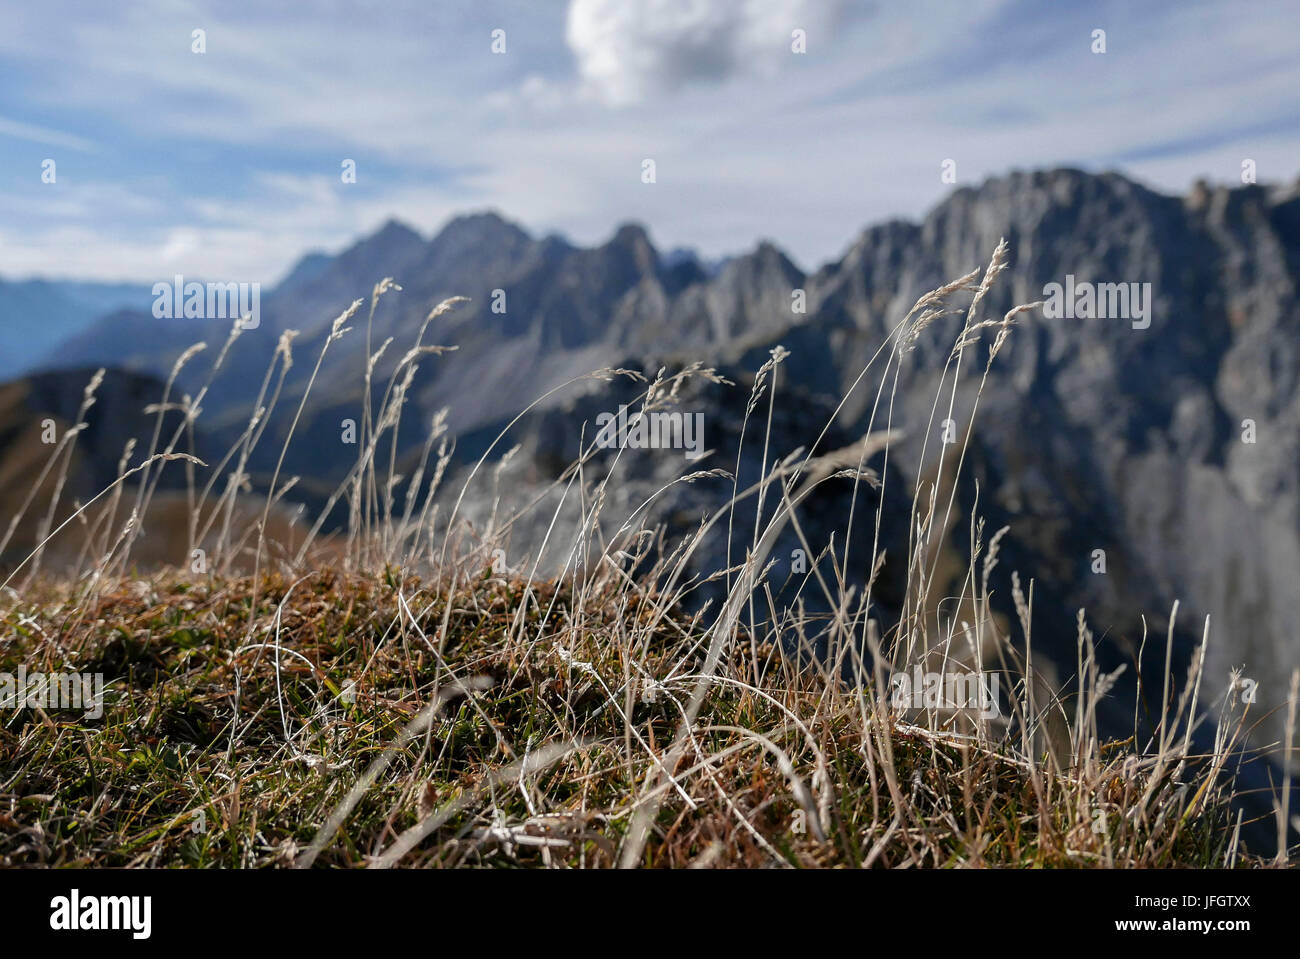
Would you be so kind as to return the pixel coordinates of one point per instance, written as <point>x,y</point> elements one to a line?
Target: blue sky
<point>226,164</point>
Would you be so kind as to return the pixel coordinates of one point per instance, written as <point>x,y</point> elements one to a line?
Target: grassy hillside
<point>396,695</point>
<point>364,720</point>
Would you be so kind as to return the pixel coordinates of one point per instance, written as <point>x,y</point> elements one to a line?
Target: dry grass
<point>392,696</point>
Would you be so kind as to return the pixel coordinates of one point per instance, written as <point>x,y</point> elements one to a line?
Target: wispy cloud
<point>37,134</point>
<point>228,162</point>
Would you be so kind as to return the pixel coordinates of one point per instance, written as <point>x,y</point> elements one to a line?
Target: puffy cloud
<point>630,50</point>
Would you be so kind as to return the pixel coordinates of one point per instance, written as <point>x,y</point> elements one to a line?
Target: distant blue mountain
<point>36,315</point>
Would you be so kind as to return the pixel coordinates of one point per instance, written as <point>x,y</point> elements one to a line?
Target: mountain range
<point>36,315</point>
<point>1171,447</point>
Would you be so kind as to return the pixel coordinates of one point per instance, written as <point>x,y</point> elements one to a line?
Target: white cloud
<point>243,145</point>
<point>45,136</point>
<point>628,52</point>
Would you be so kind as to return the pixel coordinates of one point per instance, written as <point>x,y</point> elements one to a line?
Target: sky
<point>228,163</point>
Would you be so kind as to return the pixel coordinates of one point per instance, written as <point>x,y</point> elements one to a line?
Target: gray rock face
<point>1167,440</point>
